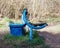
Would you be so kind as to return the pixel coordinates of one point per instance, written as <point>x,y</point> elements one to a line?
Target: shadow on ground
<point>7,41</point>
<point>51,39</point>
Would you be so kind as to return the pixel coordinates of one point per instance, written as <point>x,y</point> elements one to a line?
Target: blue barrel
<point>16,29</point>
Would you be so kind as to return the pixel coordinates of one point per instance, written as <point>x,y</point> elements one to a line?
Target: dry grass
<point>38,10</point>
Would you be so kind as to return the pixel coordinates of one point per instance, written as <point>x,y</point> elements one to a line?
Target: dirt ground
<point>51,35</point>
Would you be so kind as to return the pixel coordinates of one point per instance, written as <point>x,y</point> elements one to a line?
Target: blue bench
<point>30,25</point>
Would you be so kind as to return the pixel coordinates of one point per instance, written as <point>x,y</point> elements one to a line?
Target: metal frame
<point>31,27</point>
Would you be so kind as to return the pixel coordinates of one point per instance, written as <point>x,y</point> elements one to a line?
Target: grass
<point>24,40</point>
<point>52,20</point>
<point>2,26</point>
<point>37,40</point>
<point>6,20</point>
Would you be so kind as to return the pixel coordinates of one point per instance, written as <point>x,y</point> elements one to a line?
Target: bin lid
<point>16,25</point>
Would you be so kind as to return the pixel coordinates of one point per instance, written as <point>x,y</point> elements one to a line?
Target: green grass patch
<point>6,20</point>
<point>24,39</point>
<point>2,26</point>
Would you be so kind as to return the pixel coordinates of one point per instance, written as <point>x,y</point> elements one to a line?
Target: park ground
<point>50,35</point>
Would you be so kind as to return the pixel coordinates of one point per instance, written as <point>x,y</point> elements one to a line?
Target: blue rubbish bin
<point>16,29</point>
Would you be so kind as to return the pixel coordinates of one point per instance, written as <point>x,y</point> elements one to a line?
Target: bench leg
<point>31,33</point>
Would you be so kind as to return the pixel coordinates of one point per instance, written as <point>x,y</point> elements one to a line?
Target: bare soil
<point>51,35</point>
